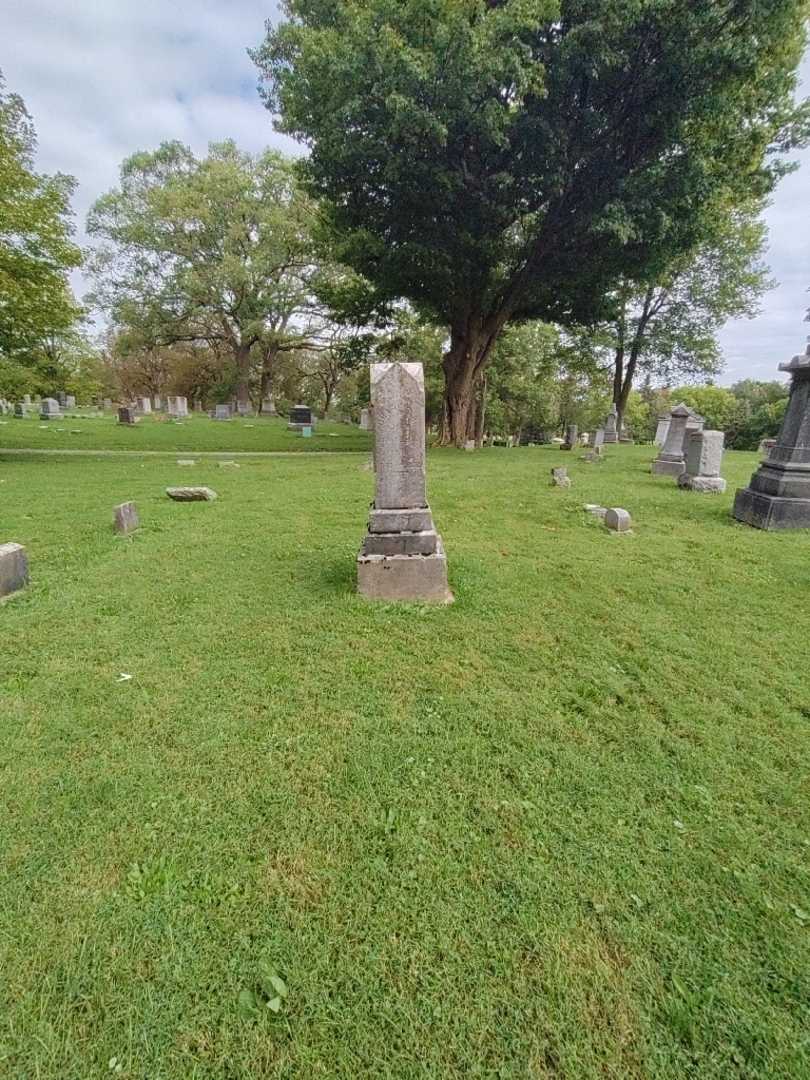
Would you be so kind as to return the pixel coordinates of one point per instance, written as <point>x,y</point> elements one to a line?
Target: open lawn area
<point>87,431</point>
<point>559,829</point>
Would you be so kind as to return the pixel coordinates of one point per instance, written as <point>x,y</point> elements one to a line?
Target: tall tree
<point>36,247</point>
<point>212,251</point>
<point>502,160</point>
<point>667,327</point>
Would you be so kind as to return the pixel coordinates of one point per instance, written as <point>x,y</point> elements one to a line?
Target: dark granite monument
<point>300,417</point>
<point>778,496</point>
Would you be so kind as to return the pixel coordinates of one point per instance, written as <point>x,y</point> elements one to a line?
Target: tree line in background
<point>553,206</point>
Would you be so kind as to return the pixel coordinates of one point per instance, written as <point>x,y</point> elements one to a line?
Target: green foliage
<point>36,249</point>
<point>497,160</point>
<point>718,406</point>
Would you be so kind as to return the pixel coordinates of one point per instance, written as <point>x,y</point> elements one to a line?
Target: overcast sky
<point>103,78</point>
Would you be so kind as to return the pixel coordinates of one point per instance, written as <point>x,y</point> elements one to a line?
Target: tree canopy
<point>498,160</point>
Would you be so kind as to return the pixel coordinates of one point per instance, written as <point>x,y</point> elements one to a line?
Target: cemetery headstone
<point>50,410</point>
<point>365,419</point>
<point>157,402</point>
<point>661,430</point>
<point>268,407</point>
<point>26,399</point>
<point>611,433</point>
<point>13,568</point>
<point>300,417</point>
<point>243,408</point>
<point>402,557</point>
<point>126,415</point>
<point>560,478</point>
<point>143,405</point>
<point>670,460</point>
<point>704,456</point>
<point>598,439</point>
<point>222,412</point>
<point>778,495</point>
<point>70,401</point>
<point>191,494</point>
<point>125,518</point>
<point>107,403</point>
<point>306,431</point>
<point>570,437</point>
<point>177,407</point>
<point>20,410</point>
<point>618,520</point>
<point>61,397</point>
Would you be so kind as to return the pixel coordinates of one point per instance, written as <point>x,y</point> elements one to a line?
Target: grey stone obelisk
<point>611,431</point>
<point>402,557</point>
<point>670,460</point>
<point>778,496</point>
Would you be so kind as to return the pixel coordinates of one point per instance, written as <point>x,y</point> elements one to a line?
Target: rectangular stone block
<point>401,543</point>
<point>125,518</point>
<point>404,577</point>
<point>13,568</point>
<point>386,521</point>
<point>191,494</point>
<point>667,468</point>
<point>704,453</point>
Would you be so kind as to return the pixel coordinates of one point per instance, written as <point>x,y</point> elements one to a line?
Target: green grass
<point>157,432</point>
<point>558,829</point>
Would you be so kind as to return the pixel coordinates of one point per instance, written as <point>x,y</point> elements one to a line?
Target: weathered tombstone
<point>222,412</point>
<point>704,456</point>
<point>598,439</point>
<point>300,417</point>
<point>143,405</point>
<point>177,406</point>
<point>778,496</point>
<point>593,456</point>
<point>661,430</point>
<point>198,405</point>
<point>61,397</point>
<point>766,446</point>
<point>157,402</point>
<point>13,568</point>
<point>243,408</point>
<point>19,410</point>
<point>126,415</point>
<point>570,437</point>
<point>365,419</point>
<point>125,518</point>
<point>560,478</point>
<point>596,510</point>
<point>50,410</point>
<point>107,403</point>
<point>618,520</point>
<point>670,460</point>
<point>70,401</point>
<point>611,433</point>
<point>26,399</point>
<point>191,494</point>
<point>268,407</point>
<point>402,557</point>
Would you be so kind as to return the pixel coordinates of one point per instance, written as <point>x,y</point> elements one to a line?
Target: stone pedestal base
<point>712,484</point>
<point>771,511</point>
<point>13,568</point>
<point>662,467</point>
<point>402,558</point>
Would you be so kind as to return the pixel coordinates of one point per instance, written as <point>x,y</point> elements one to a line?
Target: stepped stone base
<point>662,467</point>
<point>402,558</point>
<point>771,511</point>
<point>711,484</point>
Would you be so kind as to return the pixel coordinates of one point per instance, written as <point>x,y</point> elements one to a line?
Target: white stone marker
<point>618,520</point>
<point>13,568</point>
<point>402,557</point>
<point>177,406</point>
<point>704,456</point>
<point>143,405</point>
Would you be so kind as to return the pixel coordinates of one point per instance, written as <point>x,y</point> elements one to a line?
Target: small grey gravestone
<point>13,568</point>
<point>126,415</point>
<point>618,520</point>
<point>125,518</point>
<point>222,412</point>
<point>560,478</point>
<point>704,456</point>
<point>191,494</point>
<point>50,410</point>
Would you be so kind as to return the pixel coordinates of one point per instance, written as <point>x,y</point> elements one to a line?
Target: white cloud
<point>104,78</point>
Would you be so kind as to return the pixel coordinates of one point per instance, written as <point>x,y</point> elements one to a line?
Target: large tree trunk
<point>463,365</point>
<point>242,358</point>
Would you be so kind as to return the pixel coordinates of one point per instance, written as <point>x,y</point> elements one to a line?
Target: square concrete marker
<point>402,557</point>
<point>13,568</point>
<point>191,494</point>
<point>125,518</point>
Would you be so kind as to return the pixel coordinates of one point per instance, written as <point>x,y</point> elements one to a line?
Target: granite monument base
<point>667,468</point>
<point>402,558</point>
<point>771,511</point>
<point>709,484</point>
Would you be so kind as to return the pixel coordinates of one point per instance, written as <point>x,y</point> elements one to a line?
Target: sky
<point>104,78</point>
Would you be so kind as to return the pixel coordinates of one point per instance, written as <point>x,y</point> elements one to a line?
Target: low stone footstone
<point>778,495</point>
<point>596,510</point>
<point>618,520</point>
<point>126,415</point>
<point>560,478</point>
<point>704,456</point>
<point>570,437</point>
<point>228,464</point>
<point>185,461</point>
<point>670,460</point>
<point>125,518</point>
<point>191,494</point>
<point>13,568</point>
<point>402,557</point>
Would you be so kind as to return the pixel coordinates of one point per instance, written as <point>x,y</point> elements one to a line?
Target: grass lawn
<point>560,829</point>
<point>158,432</point>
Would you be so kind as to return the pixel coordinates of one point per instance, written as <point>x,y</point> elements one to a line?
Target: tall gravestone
<point>402,557</point>
<point>570,437</point>
<point>365,419</point>
<point>704,456</point>
<point>611,431</point>
<point>670,460</point>
<point>661,430</point>
<point>778,496</point>
<point>143,405</point>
